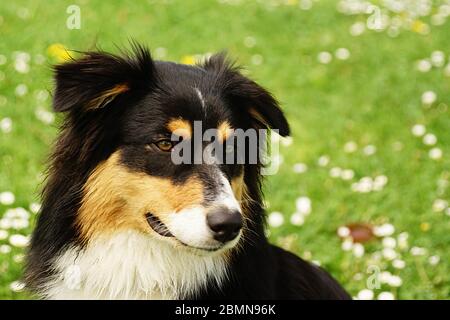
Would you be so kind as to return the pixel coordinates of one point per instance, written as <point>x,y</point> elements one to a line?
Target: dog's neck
<point>131,265</point>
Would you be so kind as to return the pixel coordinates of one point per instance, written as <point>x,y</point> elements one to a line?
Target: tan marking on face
<point>180,127</point>
<point>237,185</point>
<point>240,192</point>
<point>116,198</point>
<point>257,116</point>
<point>107,96</point>
<point>224,131</point>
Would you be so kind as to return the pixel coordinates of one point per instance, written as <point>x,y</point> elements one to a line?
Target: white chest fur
<point>131,265</point>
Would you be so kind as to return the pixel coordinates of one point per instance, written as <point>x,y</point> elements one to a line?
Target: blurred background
<point>363,187</point>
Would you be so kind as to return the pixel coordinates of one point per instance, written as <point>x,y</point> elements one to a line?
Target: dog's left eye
<point>164,145</point>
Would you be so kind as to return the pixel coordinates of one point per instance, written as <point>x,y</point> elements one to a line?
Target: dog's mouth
<point>158,226</point>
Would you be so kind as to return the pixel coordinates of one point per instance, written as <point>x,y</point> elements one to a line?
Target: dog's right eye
<point>164,145</point>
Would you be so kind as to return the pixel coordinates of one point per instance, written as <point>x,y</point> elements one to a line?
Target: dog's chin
<point>164,234</point>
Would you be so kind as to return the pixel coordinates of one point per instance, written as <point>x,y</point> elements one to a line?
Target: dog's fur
<point>93,239</point>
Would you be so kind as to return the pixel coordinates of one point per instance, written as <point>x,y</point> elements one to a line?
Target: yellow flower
<point>188,60</point>
<point>424,226</point>
<point>419,26</point>
<point>59,52</point>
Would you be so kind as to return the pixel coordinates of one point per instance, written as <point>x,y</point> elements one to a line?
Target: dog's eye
<point>164,145</point>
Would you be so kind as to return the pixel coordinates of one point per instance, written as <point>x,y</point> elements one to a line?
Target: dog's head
<point>130,115</point>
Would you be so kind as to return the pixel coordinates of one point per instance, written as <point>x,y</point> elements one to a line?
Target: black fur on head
<point>81,82</point>
<point>117,101</point>
<point>246,94</point>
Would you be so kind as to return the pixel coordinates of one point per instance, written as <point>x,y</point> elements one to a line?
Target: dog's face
<point>136,114</point>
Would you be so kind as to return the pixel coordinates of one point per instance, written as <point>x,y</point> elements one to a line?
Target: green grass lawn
<point>354,114</point>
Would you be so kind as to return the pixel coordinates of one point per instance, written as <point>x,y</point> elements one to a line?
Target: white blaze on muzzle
<point>190,225</point>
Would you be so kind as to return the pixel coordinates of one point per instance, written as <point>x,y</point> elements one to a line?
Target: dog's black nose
<point>224,223</point>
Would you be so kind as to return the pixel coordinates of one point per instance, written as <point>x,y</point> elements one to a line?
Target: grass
<point>373,98</point>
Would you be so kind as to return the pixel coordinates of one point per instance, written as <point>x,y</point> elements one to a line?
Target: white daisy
<point>21,90</point>
<point>429,139</point>
<point>297,219</point>
<point>398,264</point>
<point>323,161</point>
<point>343,232</point>
<point>19,224</point>
<point>385,295</point>
<point>384,276</point>
<point>324,57</point>
<point>365,294</point>
<point>435,153</point>
<point>6,125</point>
<point>402,240</point>
<point>257,59</point>
<point>357,29</point>
<point>350,147</point>
<point>21,66</point>
<point>41,95</point>
<point>389,253</point>
<point>439,205</point>
<point>18,240</point>
<point>18,258</point>
<point>3,234</point>
<point>316,262</point>
<point>347,244</point>
<point>358,250</point>
<point>379,182</point>
<point>429,97</point>
<point>384,230</point>
<point>434,260</point>
<point>342,53</point>
<point>335,172</point>
<point>249,41</point>
<point>303,205</point>
<point>17,286</point>
<point>438,58</point>
<point>275,219</point>
<point>7,198</point>
<point>5,223</point>
<point>423,65</point>
<point>395,281</point>
<point>5,249</point>
<point>17,213</point>
<point>418,251</point>
<point>347,174</point>
<point>45,116</point>
<point>369,150</point>
<point>300,168</point>
<point>389,242</point>
<point>35,207</point>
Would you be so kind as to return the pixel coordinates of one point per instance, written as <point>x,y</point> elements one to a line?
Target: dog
<point>121,220</point>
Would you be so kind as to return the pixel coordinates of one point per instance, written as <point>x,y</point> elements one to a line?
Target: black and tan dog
<point>120,220</point>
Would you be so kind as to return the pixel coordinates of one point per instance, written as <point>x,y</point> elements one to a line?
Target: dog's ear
<point>258,102</point>
<point>97,78</point>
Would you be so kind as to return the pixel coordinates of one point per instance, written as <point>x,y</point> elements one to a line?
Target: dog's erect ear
<point>259,103</point>
<point>97,78</point>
